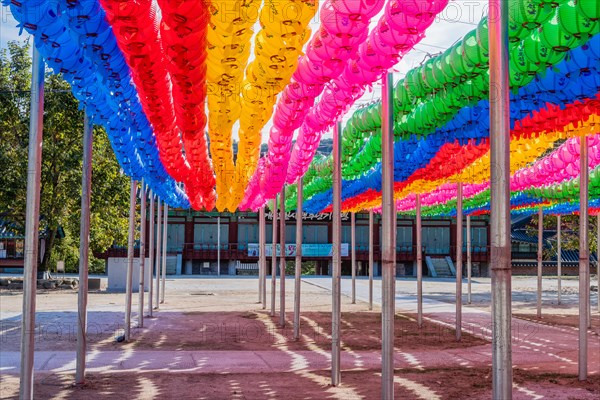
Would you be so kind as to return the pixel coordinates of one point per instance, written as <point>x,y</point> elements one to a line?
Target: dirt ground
<point>442,383</point>
<point>222,315</point>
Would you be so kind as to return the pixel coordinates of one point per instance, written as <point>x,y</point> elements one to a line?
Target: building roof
<point>10,230</point>
<point>519,221</point>
<point>572,256</point>
<point>521,235</point>
<point>569,257</point>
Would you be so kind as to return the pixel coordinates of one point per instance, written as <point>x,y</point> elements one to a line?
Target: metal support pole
<point>130,242</point>
<point>298,266</point>
<point>353,254</point>
<point>539,260</point>
<point>336,268</point>
<point>151,255</point>
<point>262,257</point>
<point>419,262</point>
<point>32,223</point>
<point>459,254</point>
<point>142,254</point>
<point>388,229</point>
<point>84,249</point>
<point>274,258</point>
<point>282,260</point>
<point>219,245</point>
<point>158,255</point>
<point>559,256</point>
<point>371,259</point>
<point>469,263</point>
<point>500,200</point>
<point>164,252</point>
<point>584,259</point>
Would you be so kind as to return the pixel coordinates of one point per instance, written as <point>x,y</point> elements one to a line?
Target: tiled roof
<point>9,230</point>
<point>572,256</point>
<point>520,235</point>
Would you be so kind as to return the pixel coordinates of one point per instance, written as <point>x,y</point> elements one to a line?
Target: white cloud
<point>8,28</point>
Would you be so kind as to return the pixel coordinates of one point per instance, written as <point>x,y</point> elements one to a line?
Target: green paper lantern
<point>427,74</point>
<point>539,53</point>
<point>553,36</point>
<point>473,59</point>
<point>412,82</point>
<point>589,9</point>
<point>374,116</point>
<point>402,101</point>
<point>451,77</point>
<point>533,13</point>
<point>438,73</point>
<point>521,63</point>
<point>575,22</point>
<point>456,62</point>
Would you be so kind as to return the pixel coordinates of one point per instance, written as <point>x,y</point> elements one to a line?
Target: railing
<point>239,251</point>
<point>8,249</point>
<point>11,253</point>
<point>478,253</point>
<point>524,255</point>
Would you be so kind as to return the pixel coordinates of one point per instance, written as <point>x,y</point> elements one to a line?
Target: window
<point>404,236</point>
<point>175,237</point>
<point>312,234</point>
<point>436,240</point>
<point>247,233</point>
<point>479,239</point>
<point>206,235</point>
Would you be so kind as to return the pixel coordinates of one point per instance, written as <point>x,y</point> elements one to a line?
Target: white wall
<point>117,274</point>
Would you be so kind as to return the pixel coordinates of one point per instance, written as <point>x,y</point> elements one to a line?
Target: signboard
<point>308,250</point>
<point>291,216</point>
<point>60,266</point>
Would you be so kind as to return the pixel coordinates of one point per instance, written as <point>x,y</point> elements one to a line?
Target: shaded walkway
<point>536,346</point>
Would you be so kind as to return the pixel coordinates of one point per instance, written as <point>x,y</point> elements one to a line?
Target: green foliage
<point>569,233</point>
<point>308,267</point>
<point>60,200</point>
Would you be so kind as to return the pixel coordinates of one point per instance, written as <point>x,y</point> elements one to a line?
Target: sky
<point>457,19</point>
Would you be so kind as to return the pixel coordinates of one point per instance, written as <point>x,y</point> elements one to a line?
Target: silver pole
<point>142,254</point>
<point>263,257</point>
<point>388,254</point>
<point>219,245</point>
<point>419,263</point>
<point>469,263</point>
<point>151,256</point>
<point>32,223</point>
<point>274,258</point>
<point>539,261</point>
<point>371,259</point>
<point>130,242</point>
<point>282,260</point>
<point>336,267</point>
<point>298,271</point>
<point>158,253</point>
<point>584,259</point>
<point>164,251</point>
<point>559,256</point>
<point>459,254</point>
<point>500,200</point>
<point>84,249</point>
<point>353,254</point>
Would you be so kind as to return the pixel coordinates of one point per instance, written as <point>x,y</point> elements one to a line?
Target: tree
<point>61,164</point>
<point>569,233</point>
